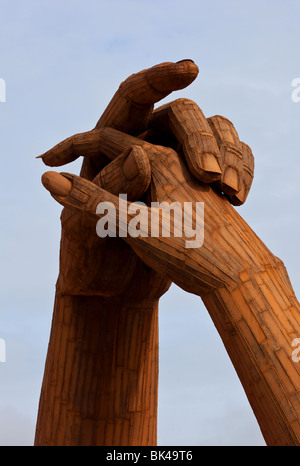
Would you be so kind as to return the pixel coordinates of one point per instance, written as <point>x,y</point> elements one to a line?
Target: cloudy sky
<point>62,61</point>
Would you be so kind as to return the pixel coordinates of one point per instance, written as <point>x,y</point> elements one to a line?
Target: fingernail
<point>56,183</point>
<point>130,167</point>
<point>168,77</point>
<point>210,163</point>
<point>230,181</point>
<point>186,59</point>
<point>186,72</point>
<point>241,195</point>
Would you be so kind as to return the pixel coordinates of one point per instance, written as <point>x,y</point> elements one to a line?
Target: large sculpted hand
<point>213,155</point>
<point>212,151</point>
<point>99,266</point>
<point>243,285</point>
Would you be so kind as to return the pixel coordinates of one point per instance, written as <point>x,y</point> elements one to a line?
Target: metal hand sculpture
<point>100,382</point>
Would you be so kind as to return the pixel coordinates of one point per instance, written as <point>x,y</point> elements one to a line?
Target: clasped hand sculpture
<point>100,381</point>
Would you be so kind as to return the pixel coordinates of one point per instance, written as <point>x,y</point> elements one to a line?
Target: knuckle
<point>182,101</point>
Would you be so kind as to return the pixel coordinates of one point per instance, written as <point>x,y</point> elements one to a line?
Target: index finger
<point>131,107</point>
<point>129,110</point>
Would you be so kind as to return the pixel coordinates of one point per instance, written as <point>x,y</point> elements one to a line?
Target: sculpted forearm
<point>101,374</point>
<point>257,320</point>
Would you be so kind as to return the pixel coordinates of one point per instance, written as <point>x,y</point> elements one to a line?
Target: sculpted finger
<point>131,107</point>
<point>82,195</point>
<point>129,173</point>
<point>247,177</point>
<point>56,184</point>
<point>186,121</point>
<point>82,144</point>
<point>89,145</point>
<point>231,153</point>
<point>113,142</point>
<point>129,110</point>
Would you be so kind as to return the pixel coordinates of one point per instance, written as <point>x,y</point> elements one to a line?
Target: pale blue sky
<point>62,61</point>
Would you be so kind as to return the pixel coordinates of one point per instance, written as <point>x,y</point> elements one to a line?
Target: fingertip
<point>247,175</point>
<point>230,182</point>
<point>239,198</point>
<point>130,172</point>
<point>211,165</point>
<point>131,166</point>
<point>168,77</point>
<point>187,71</point>
<point>50,159</point>
<point>56,183</point>
<point>205,166</point>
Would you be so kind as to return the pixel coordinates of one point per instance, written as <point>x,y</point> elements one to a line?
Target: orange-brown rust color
<point>100,381</point>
